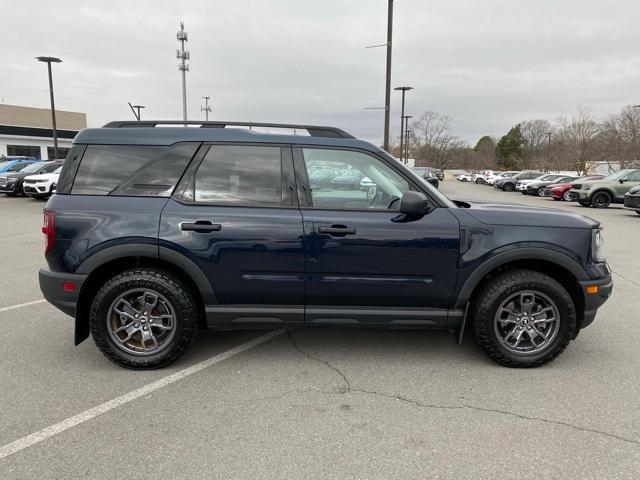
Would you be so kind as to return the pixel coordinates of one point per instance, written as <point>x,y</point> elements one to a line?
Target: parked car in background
<point>482,177</point>
<point>321,178</point>
<point>508,184</point>
<point>537,187</point>
<point>465,177</point>
<point>11,183</point>
<point>610,189</point>
<point>429,174</point>
<point>347,180</point>
<point>561,191</point>
<point>15,164</point>
<point>43,185</point>
<point>491,180</point>
<point>632,199</point>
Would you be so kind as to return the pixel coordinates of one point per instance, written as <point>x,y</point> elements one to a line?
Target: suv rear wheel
<point>523,318</point>
<point>601,199</point>
<point>143,319</point>
<point>508,187</point>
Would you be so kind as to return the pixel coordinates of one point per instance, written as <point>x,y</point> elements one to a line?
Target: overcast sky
<point>488,64</point>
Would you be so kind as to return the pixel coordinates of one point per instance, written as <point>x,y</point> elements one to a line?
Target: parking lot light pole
<point>406,133</point>
<point>48,61</point>
<point>136,110</point>
<point>403,90</point>
<point>549,150</point>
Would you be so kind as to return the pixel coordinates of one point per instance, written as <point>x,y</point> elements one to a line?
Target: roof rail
<point>314,130</point>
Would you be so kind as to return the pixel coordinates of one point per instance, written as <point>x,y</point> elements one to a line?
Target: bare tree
<point>534,150</point>
<point>578,141</point>
<point>620,138</point>
<point>432,141</point>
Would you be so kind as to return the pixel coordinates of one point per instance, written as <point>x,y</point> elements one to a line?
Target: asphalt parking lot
<point>324,403</point>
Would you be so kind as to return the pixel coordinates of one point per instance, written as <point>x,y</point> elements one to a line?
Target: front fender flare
<point>529,253</point>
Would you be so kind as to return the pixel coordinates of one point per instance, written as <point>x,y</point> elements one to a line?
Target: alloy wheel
<point>141,322</point>
<point>527,322</point>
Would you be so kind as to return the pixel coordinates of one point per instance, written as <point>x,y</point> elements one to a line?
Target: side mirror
<point>414,204</point>
<point>622,180</point>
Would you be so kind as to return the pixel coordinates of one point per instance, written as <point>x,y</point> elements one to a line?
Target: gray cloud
<point>487,64</point>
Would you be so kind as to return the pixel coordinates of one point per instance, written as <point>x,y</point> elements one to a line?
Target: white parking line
<point>20,305</point>
<point>82,417</point>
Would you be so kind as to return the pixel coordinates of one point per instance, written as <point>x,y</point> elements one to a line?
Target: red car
<point>560,191</point>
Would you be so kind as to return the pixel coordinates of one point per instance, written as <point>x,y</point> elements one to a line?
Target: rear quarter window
<point>132,170</point>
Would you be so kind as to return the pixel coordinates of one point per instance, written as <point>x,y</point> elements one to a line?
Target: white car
<point>482,177</point>
<point>495,176</point>
<point>41,186</point>
<point>465,177</point>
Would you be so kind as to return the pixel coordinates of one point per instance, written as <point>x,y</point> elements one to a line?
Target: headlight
<point>597,251</point>
<point>586,187</point>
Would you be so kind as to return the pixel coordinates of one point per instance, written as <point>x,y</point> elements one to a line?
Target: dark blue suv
<point>155,233</point>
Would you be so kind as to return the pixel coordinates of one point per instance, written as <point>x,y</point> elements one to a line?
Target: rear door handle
<point>201,226</point>
<point>337,230</point>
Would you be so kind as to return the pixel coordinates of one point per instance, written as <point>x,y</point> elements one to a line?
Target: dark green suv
<point>610,189</point>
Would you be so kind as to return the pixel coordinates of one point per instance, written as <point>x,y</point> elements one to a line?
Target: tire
<point>566,196</point>
<point>491,332</point>
<point>584,203</point>
<point>508,187</point>
<point>556,199</point>
<point>173,299</point>
<point>601,199</point>
<point>540,191</point>
<point>479,181</point>
<point>638,212</point>
<point>463,180</point>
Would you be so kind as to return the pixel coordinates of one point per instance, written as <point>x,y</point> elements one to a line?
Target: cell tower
<point>183,66</point>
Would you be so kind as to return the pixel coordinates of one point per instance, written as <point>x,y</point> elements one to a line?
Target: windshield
<point>34,167</point>
<point>4,164</point>
<point>616,175</point>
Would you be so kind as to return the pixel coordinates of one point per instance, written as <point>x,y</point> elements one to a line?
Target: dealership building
<point>27,131</point>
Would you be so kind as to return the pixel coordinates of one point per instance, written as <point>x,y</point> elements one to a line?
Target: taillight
<point>49,230</point>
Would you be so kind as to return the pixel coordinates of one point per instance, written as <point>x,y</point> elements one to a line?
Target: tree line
<point>573,143</point>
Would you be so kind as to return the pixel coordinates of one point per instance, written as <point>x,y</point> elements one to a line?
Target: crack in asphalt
<point>626,278</point>
<point>348,388</point>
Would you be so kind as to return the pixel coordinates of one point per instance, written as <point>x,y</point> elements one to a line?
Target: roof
<point>147,133</point>
<point>19,116</point>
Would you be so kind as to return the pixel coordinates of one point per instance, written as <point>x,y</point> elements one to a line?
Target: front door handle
<point>337,230</point>
<point>201,226</point>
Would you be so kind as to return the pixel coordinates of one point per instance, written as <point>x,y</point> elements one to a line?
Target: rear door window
<point>238,175</point>
<point>133,170</point>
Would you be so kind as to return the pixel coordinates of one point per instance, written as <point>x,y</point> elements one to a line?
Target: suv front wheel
<point>143,319</point>
<point>523,318</point>
<point>601,199</point>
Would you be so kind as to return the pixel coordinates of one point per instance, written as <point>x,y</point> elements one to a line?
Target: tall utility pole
<point>183,66</point>
<point>387,92</point>
<point>136,110</point>
<point>207,108</point>
<point>403,90</point>
<point>48,61</point>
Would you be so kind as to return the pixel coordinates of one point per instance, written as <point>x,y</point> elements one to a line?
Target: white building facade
<point>26,131</point>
